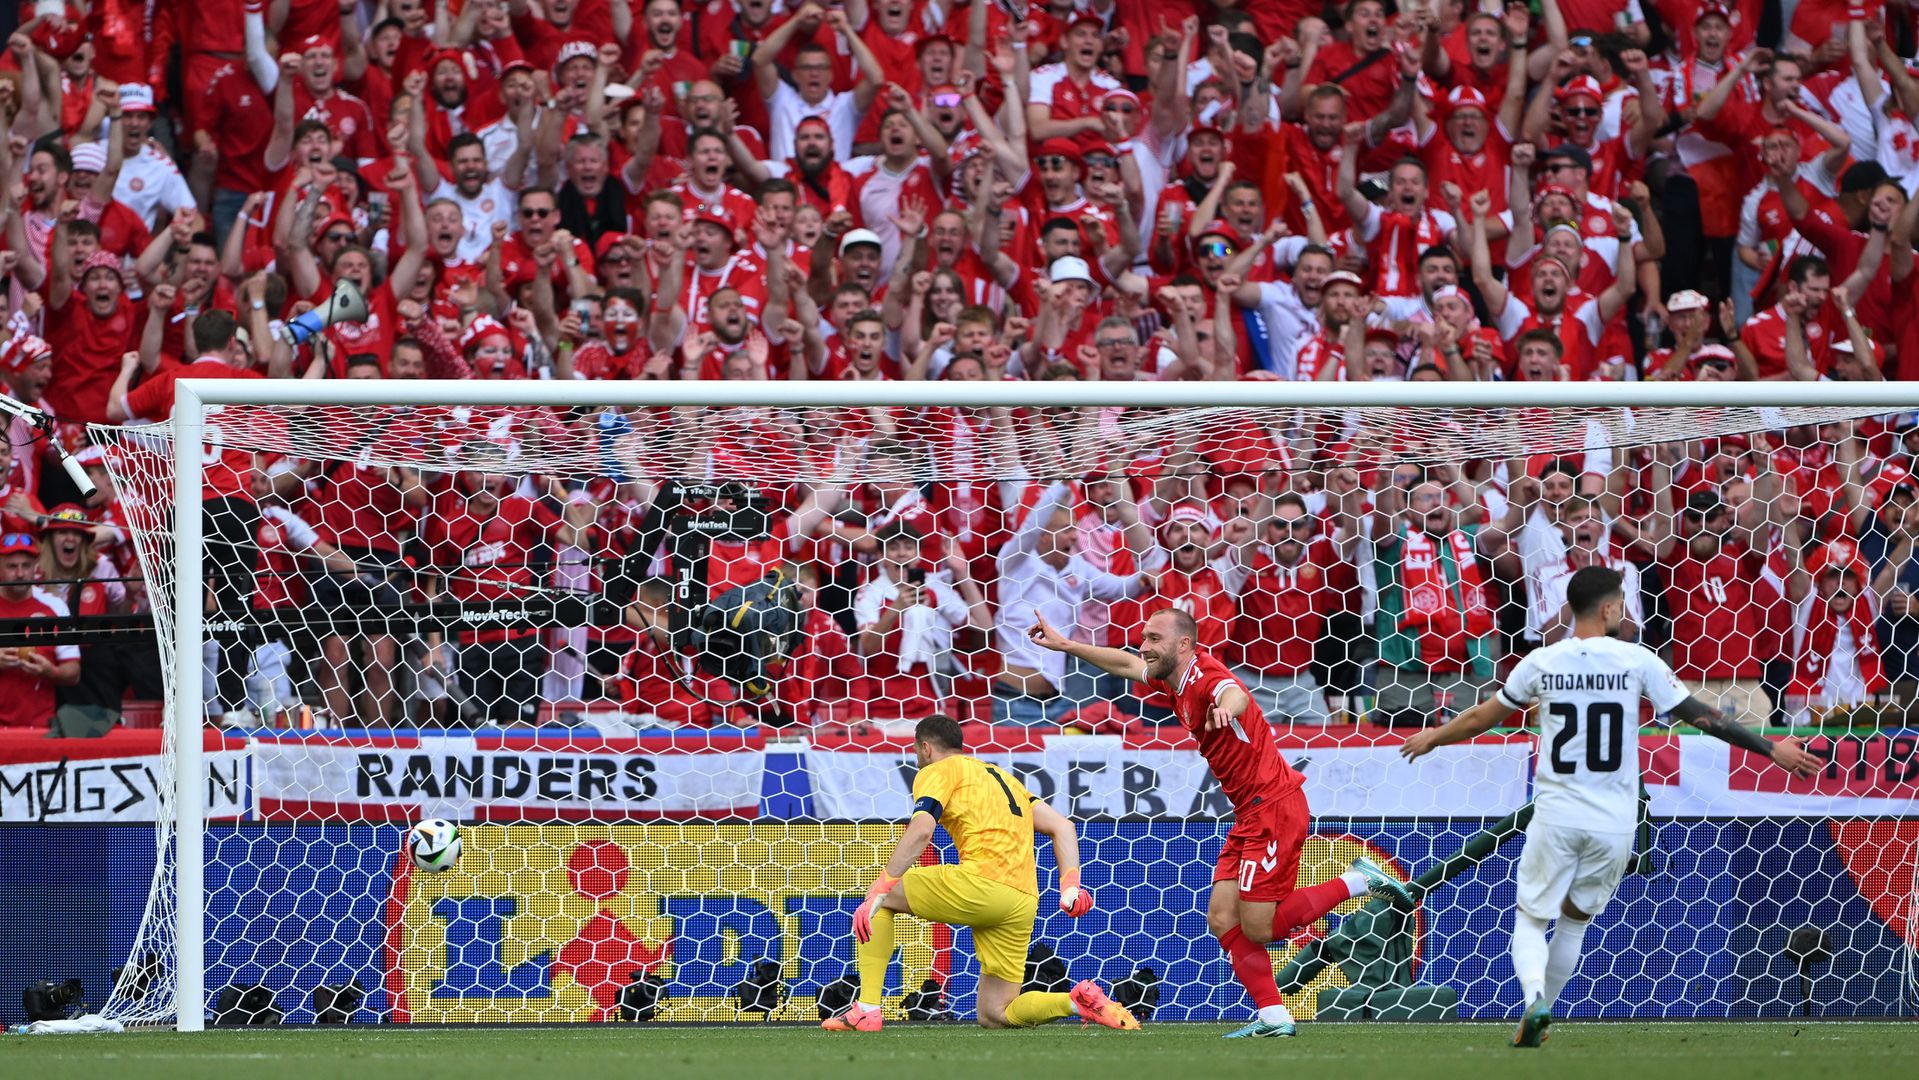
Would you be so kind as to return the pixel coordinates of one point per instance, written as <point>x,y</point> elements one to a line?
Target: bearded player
<point>1255,895</point>
<point>1586,789</point>
<point>994,888</point>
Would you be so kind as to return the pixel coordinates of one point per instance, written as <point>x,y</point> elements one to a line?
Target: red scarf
<point>1444,614</point>
<point>1815,651</point>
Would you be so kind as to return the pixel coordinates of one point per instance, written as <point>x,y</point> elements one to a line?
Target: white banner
<point>1098,776</point>
<point>123,789</point>
<point>457,778</point>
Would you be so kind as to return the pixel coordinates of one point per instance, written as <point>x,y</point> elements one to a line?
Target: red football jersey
<point>26,701</point>
<point>1241,755</point>
<point>1716,617</point>
<point>226,472</point>
<point>1283,612</point>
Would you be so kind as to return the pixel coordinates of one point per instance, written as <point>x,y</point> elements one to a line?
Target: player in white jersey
<point>1586,784</point>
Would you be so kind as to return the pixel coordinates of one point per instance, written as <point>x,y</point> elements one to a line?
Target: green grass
<point>1609,1051</point>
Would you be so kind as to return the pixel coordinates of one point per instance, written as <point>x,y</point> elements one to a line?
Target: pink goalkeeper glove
<point>1073,899</point>
<point>863,916</point>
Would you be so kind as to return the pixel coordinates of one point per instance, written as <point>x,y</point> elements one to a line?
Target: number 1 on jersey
<point>1012,804</point>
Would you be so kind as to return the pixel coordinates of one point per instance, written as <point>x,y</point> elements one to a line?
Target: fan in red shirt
<point>230,515</point>
<point>484,538</point>
<point>29,674</point>
<point>317,96</point>
<point>1254,898</point>
<point>1762,341</point>
<point>90,327</point>
<point>1284,604</point>
<point>1362,65</point>
<point>1719,595</point>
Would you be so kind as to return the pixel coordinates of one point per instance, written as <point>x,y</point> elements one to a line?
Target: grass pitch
<point>1608,1051</point>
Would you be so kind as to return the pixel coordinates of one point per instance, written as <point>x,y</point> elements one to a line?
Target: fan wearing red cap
<point>90,324</point>
<point>1710,31</point>
<point>1476,346</point>
<point>149,181</point>
<point>1579,322</point>
<point>1465,143</point>
<point>351,262</point>
<point>817,177</point>
<point>920,63</point>
<point>1061,166</point>
<point>29,674</point>
<point>715,263</point>
<point>1581,105</point>
<point>1064,97</point>
<point>26,365</point>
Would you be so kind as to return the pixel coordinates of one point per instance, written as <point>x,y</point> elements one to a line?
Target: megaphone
<point>346,305</point>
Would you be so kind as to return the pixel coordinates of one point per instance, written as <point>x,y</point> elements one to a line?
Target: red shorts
<point>200,70</point>
<point>1262,849</point>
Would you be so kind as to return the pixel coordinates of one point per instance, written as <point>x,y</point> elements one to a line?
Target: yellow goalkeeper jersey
<point>988,813</point>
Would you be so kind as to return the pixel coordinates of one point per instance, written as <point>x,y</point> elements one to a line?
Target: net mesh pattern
<point>656,664</point>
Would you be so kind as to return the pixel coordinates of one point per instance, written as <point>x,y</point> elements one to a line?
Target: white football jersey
<point>1588,692</point>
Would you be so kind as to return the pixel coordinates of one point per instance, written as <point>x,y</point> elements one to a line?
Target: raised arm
<point>1491,289</point>
<point>1112,661</point>
<point>1357,207</point>
<point>1652,112</point>
<point>280,143</point>
<point>1625,277</point>
<point>871,77</point>
<point>1722,91</point>
<point>766,56</point>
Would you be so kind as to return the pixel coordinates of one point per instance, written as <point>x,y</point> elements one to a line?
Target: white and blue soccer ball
<point>434,845</point>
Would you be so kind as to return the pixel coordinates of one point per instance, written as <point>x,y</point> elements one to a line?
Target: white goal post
<point>1425,421</point>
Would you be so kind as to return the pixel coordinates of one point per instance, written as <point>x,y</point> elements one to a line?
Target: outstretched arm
<point>1474,722</point>
<point>1788,754</point>
<point>1112,661</point>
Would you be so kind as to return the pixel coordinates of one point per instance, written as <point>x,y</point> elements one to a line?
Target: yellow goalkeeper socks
<point>873,957</point>
<point>1033,1008</point>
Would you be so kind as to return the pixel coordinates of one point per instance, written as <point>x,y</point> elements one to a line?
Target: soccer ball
<point>434,845</point>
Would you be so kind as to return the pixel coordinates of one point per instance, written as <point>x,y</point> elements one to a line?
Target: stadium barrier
<point>547,922</point>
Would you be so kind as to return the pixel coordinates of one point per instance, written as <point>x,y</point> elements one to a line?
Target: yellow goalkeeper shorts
<point>1001,917</point>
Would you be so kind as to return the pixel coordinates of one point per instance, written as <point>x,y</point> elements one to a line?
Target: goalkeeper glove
<point>863,916</point>
<point>1073,899</point>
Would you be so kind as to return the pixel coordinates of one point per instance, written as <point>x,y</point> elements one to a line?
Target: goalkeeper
<point>994,888</point>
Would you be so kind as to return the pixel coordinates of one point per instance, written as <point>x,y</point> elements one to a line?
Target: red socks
<point>1308,904</point>
<point>1252,966</point>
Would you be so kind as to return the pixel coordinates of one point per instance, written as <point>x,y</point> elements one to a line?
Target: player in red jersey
<point>1255,896</point>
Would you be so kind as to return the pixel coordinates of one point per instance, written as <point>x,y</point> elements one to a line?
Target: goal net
<point>659,651</point>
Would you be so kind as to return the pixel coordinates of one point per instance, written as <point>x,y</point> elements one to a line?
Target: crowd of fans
<point>972,190</point>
